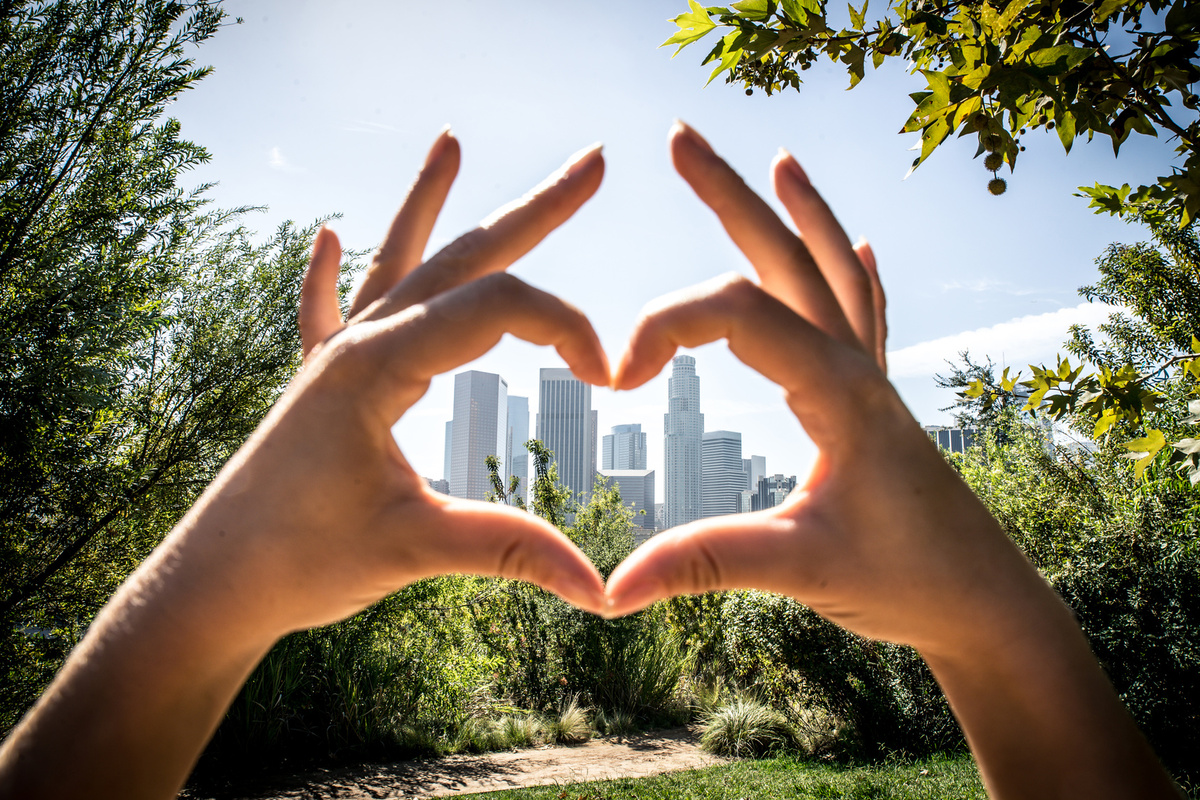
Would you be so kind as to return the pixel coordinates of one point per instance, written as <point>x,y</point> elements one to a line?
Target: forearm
<point>1040,715</point>
<point>139,698</point>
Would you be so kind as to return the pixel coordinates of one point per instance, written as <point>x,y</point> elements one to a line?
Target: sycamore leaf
<point>1188,446</point>
<point>1011,11</point>
<point>730,55</point>
<point>856,17</point>
<point>1065,123</point>
<point>693,25</point>
<point>1145,449</point>
<point>1064,53</point>
<point>753,9</point>
<point>1107,9</point>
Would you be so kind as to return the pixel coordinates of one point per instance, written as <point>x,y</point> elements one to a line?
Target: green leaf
<point>856,17</point>
<point>1065,123</point>
<point>1107,9</point>
<point>1145,449</point>
<point>1011,11</point>
<point>755,10</point>
<point>693,25</point>
<point>1064,54</point>
<point>730,55</point>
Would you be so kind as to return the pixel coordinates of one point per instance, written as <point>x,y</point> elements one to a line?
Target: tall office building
<point>772,491</point>
<point>722,479</point>
<point>755,469</point>
<point>683,427</point>
<point>448,463</point>
<point>624,448</point>
<point>518,435</point>
<point>479,430</point>
<point>566,424</point>
<point>954,440</point>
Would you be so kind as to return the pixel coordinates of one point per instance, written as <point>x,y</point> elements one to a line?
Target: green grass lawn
<point>950,777</point>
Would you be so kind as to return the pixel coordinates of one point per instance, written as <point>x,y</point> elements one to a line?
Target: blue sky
<point>320,108</point>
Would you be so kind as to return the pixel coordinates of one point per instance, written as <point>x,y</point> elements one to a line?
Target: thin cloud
<point>1025,340</point>
<point>276,160</point>
<point>987,285</point>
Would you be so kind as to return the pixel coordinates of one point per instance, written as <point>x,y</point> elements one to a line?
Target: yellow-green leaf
<point>1145,449</point>
<point>693,25</point>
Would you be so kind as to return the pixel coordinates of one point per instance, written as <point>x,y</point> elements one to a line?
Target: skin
<point>300,530</point>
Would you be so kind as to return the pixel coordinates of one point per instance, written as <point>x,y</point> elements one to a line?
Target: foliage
<point>994,70</point>
<point>508,495</point>
<point>794,659</point>
<point>549,499</point>
<point>1148,370</point>
<point>747,728</point>
<point>1123,554</point>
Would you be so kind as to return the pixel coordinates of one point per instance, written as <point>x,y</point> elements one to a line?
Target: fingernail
<point>439,144</point>
<point>681,128</point>
<point>582,159</point>
<point>789,163</point>
<point>632,599</point>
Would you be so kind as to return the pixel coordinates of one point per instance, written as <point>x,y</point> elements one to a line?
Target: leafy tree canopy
<point>995,70</point>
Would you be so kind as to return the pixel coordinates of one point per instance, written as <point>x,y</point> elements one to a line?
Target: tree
<point>995,70</point>
<point>142,337</point>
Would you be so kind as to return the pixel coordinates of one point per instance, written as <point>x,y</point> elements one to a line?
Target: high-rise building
<point>479,430</point>
<point>566,424</point>
<point>954,440</point>
<point>518,435</point>
<point>772,491</point>
<point>683,427</point>
<point>448,463</point>
<point>722,478</point>
<point>624,448</point>
<point>637,493</point>
<point>755,469</point>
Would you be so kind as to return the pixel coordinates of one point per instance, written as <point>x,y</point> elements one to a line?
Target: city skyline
<point>627,442</point>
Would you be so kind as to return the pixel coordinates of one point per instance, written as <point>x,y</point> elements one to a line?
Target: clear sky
<point>320,108</point>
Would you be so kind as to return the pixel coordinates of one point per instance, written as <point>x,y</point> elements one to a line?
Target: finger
<point>866,257</point>
<point>404,246</point>
<point>782,261</point>
<point>743,551</point>
<point>829,245</point>
<point>505,236</point>
<point>455,327</point>
<point>835,390</point>
<point>496,540</point>
<point>320,314</point>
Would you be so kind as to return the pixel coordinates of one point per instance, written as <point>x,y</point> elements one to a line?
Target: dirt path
<point>601,759</point>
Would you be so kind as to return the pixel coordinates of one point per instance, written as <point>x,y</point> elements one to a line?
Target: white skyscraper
<point>755,469</point>
<point>479,430</point>
<point>624,448</point>
<point>721,468</point>
<point>448,463</point>
<point>683,427</point>
<point>566,424</point>
<point>518,435</point>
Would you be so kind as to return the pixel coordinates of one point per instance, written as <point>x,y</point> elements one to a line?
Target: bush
<point>747,728</point>
<point>571,725</point>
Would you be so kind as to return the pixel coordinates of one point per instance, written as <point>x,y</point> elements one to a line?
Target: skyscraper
<point>448,463</point>
<point>721,468</point>
<point>624,448</point>
<point>518,435</point>
<point>755,469</point>
<point>479,430</point>
<point>772,491</point>
<point>566,424</point>
<point>683,427</point>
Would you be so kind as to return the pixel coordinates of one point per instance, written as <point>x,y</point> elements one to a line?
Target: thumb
<point>501,541</point>
<point>743,551</point>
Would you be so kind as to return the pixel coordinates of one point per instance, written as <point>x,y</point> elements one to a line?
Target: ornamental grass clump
<point>747,728</point>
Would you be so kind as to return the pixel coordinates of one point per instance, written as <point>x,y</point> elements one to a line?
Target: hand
<point>318,514</point>
<point>883,538</point>
<point>864,541</point>
<point>321,506</point>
